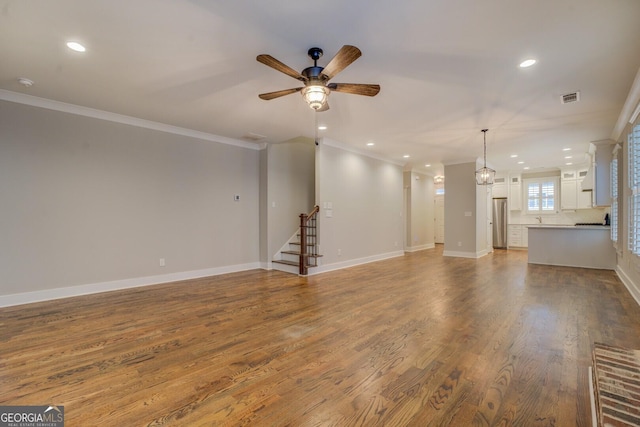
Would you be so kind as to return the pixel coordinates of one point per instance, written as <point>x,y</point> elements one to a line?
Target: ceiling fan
<point>316,87</point>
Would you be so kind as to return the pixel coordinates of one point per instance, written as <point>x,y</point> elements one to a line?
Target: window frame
<point>633,217</point>
<point>540,182</point>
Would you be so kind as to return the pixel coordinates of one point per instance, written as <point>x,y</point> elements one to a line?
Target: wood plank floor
<point>418,340</point>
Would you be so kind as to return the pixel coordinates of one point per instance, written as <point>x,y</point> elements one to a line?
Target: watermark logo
<point>31,416</point>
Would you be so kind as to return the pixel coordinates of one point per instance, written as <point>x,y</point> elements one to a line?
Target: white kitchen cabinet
<point>585,198</point>
<point>571,195</point>
<point>515,236</point>
<point>499,187</point>
<point>581,174</point>
<point>515,193</point>
<point>568,195</point>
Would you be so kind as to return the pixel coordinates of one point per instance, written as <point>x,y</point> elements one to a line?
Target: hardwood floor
<point>418,340</point>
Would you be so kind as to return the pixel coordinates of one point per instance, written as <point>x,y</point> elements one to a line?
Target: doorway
<point>439,219</point>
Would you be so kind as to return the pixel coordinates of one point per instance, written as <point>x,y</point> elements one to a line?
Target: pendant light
<point>485,175</point>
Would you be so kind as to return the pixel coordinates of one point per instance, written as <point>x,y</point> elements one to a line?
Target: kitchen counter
<point>587,246</point>
<point>574,227</point>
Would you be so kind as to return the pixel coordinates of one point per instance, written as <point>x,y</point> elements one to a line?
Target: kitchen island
<point>572,246</point>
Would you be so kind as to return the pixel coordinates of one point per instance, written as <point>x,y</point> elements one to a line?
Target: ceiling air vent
<point>568,98</point>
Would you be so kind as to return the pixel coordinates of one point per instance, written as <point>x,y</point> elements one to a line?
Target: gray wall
<point>365,195</point>
<point>291,188</point>
<point>460,189</point>
<point>87,200</point>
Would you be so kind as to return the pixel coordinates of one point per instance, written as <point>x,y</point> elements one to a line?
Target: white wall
<point>87,201</point>
<point>291,188</point>
<point>420,226</point>
<point>365,195</point>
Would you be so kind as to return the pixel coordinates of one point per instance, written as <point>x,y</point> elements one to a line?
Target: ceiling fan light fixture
<point>315,95</point>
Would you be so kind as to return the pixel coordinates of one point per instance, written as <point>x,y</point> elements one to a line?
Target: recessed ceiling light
<point>568,163</point>
<point>406,156</point>
<point>371,144</point>
<point>568,157</point>
<point>526,168</point>
<point>513,156</point>
<point>527,63</point>
<point>521,162</point>
<point>427,165</point>
<point>322,127</point>
<point>76,46</point>
<point>566,149</point>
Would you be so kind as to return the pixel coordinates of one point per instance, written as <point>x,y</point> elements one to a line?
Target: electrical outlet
<point>339,252</point>
<point>162,263</point>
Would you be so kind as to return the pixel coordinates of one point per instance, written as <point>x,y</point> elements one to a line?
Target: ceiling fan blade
<point>272,62</point>
<point>345,56</point>
<point>325,107</point>
<point>278,94</point>
<point>355,88</point>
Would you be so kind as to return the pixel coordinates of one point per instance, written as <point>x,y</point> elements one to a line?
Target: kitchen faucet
<point>539,218</point>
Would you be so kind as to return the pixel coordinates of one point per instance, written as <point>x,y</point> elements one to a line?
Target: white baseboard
<point>420,248</point>
<point>633,288</point>
<point>354,262</point>
<point>94,288</point>
<point>465,254</point>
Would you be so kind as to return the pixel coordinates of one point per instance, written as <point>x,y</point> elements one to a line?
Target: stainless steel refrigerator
<point>499,221</point>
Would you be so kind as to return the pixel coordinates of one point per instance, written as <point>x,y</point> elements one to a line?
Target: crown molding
<point>79,110</point>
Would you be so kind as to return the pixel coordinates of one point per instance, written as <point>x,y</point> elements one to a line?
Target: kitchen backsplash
<point>563,217</point>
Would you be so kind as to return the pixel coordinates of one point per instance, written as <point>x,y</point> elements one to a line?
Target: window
<point>541,195</point>
<point>634,185</point>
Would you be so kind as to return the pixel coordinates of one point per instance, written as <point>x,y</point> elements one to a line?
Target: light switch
<point>467,213</point>
<point>328,213</point>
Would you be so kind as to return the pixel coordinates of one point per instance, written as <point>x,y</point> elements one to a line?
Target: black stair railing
<point>308,240</point>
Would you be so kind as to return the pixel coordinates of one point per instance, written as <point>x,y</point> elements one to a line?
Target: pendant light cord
<point>484,132</point>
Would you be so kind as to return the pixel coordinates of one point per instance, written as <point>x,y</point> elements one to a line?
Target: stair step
<point>298,244</point>
<point>292,263</point>
<point>282,261</point>
<point>298,253</point>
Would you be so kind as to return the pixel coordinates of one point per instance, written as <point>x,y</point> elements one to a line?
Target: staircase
<point>302,249</point>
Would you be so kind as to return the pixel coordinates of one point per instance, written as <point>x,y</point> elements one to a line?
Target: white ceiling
<point>447,68</point>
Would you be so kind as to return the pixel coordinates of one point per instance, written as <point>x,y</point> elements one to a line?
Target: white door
<point>439,219</point>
